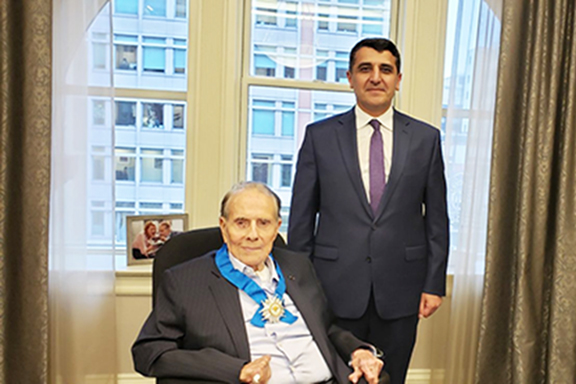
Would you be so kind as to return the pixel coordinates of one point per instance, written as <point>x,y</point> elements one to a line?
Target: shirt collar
<point>363,119</point>
<point>249,271</point>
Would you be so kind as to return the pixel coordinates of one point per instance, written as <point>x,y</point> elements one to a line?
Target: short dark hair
<point>379,44</point>
<point>244,185</point>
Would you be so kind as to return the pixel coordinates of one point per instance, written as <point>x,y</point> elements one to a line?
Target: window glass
<point>126,6</point>
<point>153,115</point>
<point>152,165</point>
<point>263,119</point>
<point>180,8</point>
<point>98,112</point>
<point>155,8</point>
<point>261,169</point>
<point>125,113</point>
<point>178,117</point>
<point>179,60</point>
<point>125,164</point>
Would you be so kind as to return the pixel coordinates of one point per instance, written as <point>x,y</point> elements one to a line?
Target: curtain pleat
<point>528,323</point>
<point>25,114</point>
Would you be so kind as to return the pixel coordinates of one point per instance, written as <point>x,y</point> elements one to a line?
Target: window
<point>341,67</point>
<point>98,163</point>
<point>261,168</point>
<point>152,165</point>
<point>347,20</point>
<point>154,53</point>
<point>265,12</point>
<point>288,119</point>
<point>264,63</point>
<point>155,8</point>
<point>98,112</point>
<point>125,113</point>
<point>322,65</point>
<point>129,7</point>
<point>286,171</point>
<point>152,115</point>
<point>290,12</point>
<point>177,165</point>
<point>263,117</point>
<point>178,116</point>
<point>323,20</point>
<point>125,164</point>
<point>180,10</point>
<point>100,50</point>
<point>126,52</point>
<point>179,56</point>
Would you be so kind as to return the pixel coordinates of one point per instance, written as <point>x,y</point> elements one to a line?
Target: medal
<point>272,309</point>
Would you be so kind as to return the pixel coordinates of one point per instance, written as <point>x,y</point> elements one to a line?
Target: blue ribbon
<point>243,282</point>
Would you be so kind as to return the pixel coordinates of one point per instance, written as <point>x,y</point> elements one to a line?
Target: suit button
<point>369,259</point>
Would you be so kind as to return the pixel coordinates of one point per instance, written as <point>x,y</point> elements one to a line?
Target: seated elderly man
<point>247,314</point>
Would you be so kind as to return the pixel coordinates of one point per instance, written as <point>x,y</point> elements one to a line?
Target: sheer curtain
<point>81,271</point>
<point>468,141</point>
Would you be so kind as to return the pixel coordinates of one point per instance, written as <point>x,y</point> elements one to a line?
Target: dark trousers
<point>394,337</point>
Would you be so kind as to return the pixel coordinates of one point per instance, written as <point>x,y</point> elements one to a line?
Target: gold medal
<point>273,309</point>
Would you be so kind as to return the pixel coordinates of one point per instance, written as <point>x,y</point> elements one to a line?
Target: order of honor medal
<point>273,309</point>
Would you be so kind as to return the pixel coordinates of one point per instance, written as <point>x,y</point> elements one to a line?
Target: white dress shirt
<point>295,357</point>
<point>363,135</point>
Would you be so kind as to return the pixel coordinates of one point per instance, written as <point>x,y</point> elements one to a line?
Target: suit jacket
<point>399,252</point>
<point>196,329</point>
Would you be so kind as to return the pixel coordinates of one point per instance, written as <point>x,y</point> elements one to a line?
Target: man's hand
<point>257,371</point>
<point>365,364</point>
<point>428,305</point>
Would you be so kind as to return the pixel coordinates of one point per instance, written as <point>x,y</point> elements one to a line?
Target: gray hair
<point>245,185</point>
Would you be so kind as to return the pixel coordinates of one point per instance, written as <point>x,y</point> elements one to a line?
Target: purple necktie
<point>377,172</point>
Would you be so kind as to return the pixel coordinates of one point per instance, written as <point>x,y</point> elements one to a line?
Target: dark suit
<point>196,329</point>
<point>392,256</point>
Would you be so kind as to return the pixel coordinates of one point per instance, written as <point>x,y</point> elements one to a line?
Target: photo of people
<point>147,234</point>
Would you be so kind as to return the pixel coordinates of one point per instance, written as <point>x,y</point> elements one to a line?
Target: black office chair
<point>187,246</point>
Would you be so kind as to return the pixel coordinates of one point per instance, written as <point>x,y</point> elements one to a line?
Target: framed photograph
<point>146,234</point>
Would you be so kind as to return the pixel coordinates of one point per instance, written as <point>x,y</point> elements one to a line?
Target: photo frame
<point>146,234</point>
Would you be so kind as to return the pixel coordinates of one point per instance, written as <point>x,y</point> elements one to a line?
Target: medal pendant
<point>273,309</point>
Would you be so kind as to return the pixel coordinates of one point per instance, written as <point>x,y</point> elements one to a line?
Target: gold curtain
<point>25,89</point>
<point>528,323</point>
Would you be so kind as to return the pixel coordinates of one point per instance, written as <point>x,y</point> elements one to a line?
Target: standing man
<point>369,207</point>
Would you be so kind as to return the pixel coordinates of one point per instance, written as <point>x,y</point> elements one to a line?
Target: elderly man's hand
<point>365,364</point>
<point>257,371</point>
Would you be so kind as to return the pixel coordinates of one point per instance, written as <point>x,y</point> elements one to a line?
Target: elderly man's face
<point>251,227</point>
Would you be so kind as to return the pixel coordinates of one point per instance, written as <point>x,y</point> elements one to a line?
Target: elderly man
<point>247,314</point>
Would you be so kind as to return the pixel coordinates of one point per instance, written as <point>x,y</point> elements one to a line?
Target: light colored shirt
<point>364,133</point>
<point>295,357</point>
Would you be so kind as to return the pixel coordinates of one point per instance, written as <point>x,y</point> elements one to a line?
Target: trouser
<point>395,337</point>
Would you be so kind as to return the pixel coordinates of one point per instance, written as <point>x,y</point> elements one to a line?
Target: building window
<point>154,54</point>
<point>155,8</point>
<point>263,117</point>
<point>98,112</point>
<point>125,113</point>
<point>264,66</point>
<point>290,20</point>
<point>178,116</point>
<point>372,25</point>
<point>152,115</point>
<point>180,9</point>
<point>98,163</point>
<point>126,52</point>
<point>152,165</point>
<point>98,223</point>
<point>288,120</point>
<point>180,56</point>
<point>341,67</point>
<point>125,164</point>
<point>347,21</point>
<point>323,18</point>
<point>266,15</point>
<point>322,65</point>
<point>261,168</point>
<point>128,7</point>
<point>177,160</point>
<point>286,171</point>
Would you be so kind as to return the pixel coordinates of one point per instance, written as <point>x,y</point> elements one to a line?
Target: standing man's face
<point>375,79</point>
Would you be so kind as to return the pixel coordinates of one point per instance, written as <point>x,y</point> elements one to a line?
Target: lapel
<point>228,302</point>
<point>402,138</point>
<point>347,140</point>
